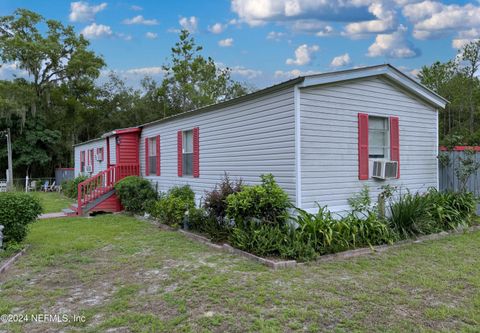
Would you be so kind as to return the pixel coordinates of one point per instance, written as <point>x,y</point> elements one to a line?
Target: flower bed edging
<point>275,264</point>
<point>12,260</point>
<point>279,264</point>
<point>382,248</point>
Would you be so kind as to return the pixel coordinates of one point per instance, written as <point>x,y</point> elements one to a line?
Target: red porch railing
<point>103,182</point>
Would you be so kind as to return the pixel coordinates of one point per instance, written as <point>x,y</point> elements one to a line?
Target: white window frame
<point>386,148</point>
<point>186,153</point>
<point>152,152</point>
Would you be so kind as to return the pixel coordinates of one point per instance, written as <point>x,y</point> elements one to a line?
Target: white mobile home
<point>322,136</point>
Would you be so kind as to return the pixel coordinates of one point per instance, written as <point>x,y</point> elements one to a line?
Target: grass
<point>53,202</point>
<point>127,275</point>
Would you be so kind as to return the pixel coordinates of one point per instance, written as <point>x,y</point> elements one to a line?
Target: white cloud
<point>151,35</point>
<point>94,30</point>
<point>9,71</point>
<point>384,21</point>
<point>189,23</point>
<point>245,72</point>
<point>303,55</point>
<point>279,74</point>
<point>126,37</point>
<point>309,26</point>
<point>341,60</point>
<point>145,71</point>
<point>217,28</point>
<point>434,19</point>
<point>394,45</point>
<point>240,71</point>
<point>139,19</point>
<point>81,11</point>
<point>275,35</point>
<point>465,37</point>
<point>136,8</point>
<point>227,42</point>
<point>259,12</point>
<point>326,31</point>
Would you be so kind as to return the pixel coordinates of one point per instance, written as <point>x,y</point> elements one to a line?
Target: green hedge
<point>170,209</point>
<point>70,188</point>
<point>135,193</point>
<point>17,211</point>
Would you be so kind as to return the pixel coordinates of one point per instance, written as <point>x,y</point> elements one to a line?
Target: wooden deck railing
<point>103,182</point>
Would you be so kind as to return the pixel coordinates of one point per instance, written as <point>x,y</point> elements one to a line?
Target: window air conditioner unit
<point>88,168</point>
<point>385,169</point>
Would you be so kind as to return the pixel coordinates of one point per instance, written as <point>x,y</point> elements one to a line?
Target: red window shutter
<point>196,152</point>
<point>82,157</point>
<point>158,155</point>
<point>147,167</point>
<point>179,153</point>
<point>362,146</point>
<point>395,142</point>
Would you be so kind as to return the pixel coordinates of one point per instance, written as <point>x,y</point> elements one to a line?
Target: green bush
<point>267,202</point>
<point>17,211</point>
<point>450,210</point>
<point>70,187</point>
<point>216,200</point>
<point>409,215</point>
<point>330,235</point>
<point>199,220</point>
<point>171,207</point>
<point>135,193</point>
<point>434,211</point>
<point>272,241</point>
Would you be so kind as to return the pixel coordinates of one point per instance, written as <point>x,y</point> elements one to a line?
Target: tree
<point>470,54</point>
<point>438,75</point>
<point>191,81</point>
<point>57,57</point>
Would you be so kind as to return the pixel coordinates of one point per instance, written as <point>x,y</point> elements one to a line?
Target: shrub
<point>450,210</point>
<point>17,211</point>
<point>170,208</point>
<point>135,193</point>
<point>272,240</point>
<point>70,187</point>
<point>330,235</point>
<point>200,220</point>
<point>267,202</point>
<point>216,200</point>
<point>434,211</point>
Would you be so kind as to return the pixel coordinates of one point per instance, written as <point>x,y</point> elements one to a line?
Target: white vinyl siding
<point>246,140</point>
<point>97,165</point>
<point>329,140</point>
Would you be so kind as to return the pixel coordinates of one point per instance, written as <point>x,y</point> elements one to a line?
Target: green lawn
<point>53,202</point>
<point>129,276</point>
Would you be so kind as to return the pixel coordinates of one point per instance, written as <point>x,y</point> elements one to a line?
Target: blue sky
<point>267,41</point>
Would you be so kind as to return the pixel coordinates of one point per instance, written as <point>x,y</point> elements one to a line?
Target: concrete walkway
<point>51,215</point>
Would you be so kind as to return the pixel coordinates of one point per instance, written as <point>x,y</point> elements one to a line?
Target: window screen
<point>187,159</point>
<point>152,156</point>
<point>378,139</point>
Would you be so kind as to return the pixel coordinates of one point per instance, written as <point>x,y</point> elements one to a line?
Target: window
<point>378,137</point>
<point>100,154</point>
<point>187,153</point>
<point>152,156</point>
<point>82,161</point>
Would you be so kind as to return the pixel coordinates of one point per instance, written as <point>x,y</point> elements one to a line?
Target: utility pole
<point>10,163</point>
